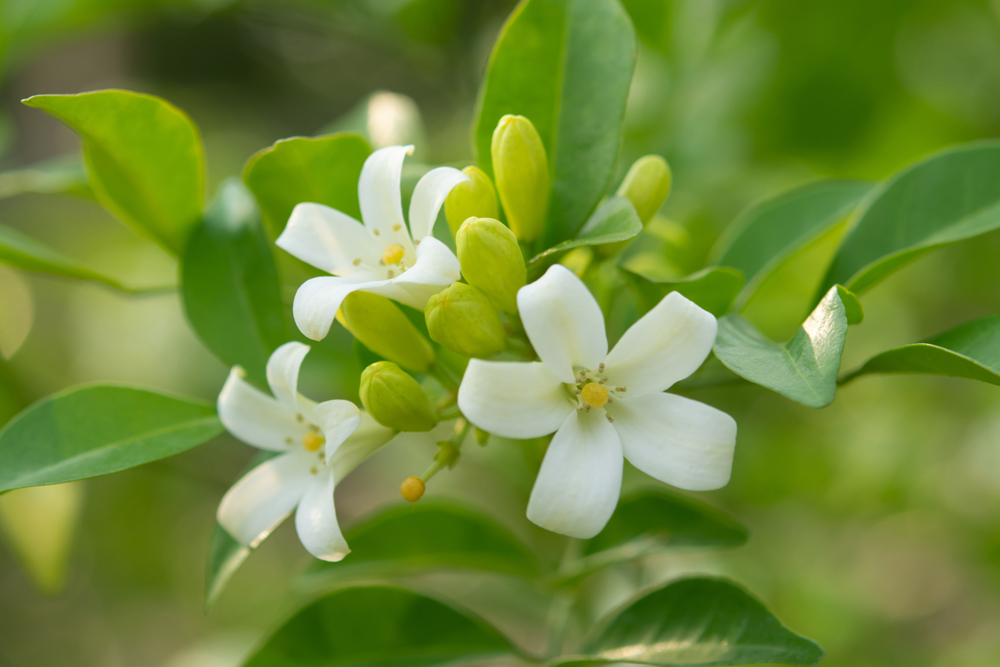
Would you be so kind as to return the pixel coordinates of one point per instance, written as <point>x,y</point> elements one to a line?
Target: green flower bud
<point>447,454</point>
<point>647,185</point>
<point>383,328</point>
<point>521,171</point>
<point>491,261</point>
<point>475,199</point>
<point>395,399</point>
<point>462,319</point>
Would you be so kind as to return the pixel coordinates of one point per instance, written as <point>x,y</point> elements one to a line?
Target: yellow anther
<point>392,255</point>
<point>357,261</point>
<point>412,489</point>
<point>312,442</point>
<point>594,395</point>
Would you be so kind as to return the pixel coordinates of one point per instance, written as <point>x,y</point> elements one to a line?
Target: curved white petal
<point>428,197</point>
<point>365,441</point>
<point>563,322</point>
<point>316,521</point>
<point>436,268</point>
<point>513,399</point>
<point>283,374</point>
<point>262,498</point>
<point>318,299</point>
<point>577,488</point>
<point>379,196</point>
<point>666,345</point>
<point>338,420</point>
<point>256,418</point>
<point>329,240</point>
<point>676,440</point>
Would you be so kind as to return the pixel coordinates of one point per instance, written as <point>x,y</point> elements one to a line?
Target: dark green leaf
<point>713,288</point>
<point>697,621</point>
<point>98,429</point>
<point>566,65</point>
<point>144,159</point>
<point>378,626</point>
<point>615,220</point>
<point>230,286</point>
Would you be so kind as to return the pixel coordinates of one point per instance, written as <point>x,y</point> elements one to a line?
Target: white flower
<point>602,406</point>
<point>319,445</point>
<point>379,256</point>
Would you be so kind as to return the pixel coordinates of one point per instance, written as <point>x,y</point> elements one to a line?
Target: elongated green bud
<point>491,261</point>
<point>473,199</point>
<point>383,328</point>
<point>395,399</point>
<point>647,185</point>
<point>521,171</point>
<point>462,319</point>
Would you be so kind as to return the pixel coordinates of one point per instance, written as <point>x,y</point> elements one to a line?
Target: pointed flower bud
<point>475,198</point>
<point>462,319</point>
<point>395,399</point>
<point>647,185</point>
<point>383,328</point>
<point>521,171</point>
<point>491,261</point>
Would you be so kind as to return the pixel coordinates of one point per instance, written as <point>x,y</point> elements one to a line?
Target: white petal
<point>676,440</point>
<point>513,399</point>
<point>563,322</point>
<point>338,420</point>
<point>256,418</point>
<point>379,196</point>
<point>668,344</point>
<point>436,268</point>
<point>283,374</point>
<point>261,500</point>
<point>316,522</point>
<point>329,240</point>
<point>318,299</point>
<point>581,477</point>
<point>428,197</point>
<point>365,441</point>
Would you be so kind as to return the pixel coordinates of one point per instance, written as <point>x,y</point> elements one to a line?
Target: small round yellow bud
<point>463,320</point>
<point>594,395</point>
<point>521,171</point>
<point>475,198</point>
<point>491,261</point>
<point>312,442</point>
<point>412,489</point>
<point>383,328</point>
<point>392,255</point>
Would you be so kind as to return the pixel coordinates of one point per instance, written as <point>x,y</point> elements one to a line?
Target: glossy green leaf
<point>970,351</point>
<point>65,175</point>
<point>324,170</point>
<point>768,232</point>
<point>566,65</point>
<point>230,285</point>
<point>805,368</point>
<point>378,626</point>
<point>98,429</point>
<point>698,621</point>
<point>945,198</point>
<point>615,220</point>
<point>144,159</point>
<point>713,288</point>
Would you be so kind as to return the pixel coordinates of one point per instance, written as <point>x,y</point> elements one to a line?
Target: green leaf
<point>948,197</point>
<point>98,429</point>
<point>230,286</point>
<point>566,65</point>
<point>324,170</point>
<point>970,351</point>
<point>615,220</point>
<point>65,175</point>
<point>768,232</point>
<point>805,368</point>
<point>378,626</point>
<point>144,159</point>
<point>697,621</point>
<point>713,288</point>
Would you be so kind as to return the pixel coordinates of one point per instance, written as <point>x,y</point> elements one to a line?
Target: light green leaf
<point>98,429</point>
<point>566,65</point>
<point>615,220</point>
<point>713,288</point>
<point>230,286</point>
<point>324,170</point>
<point>805,368</point>
<point>65,175</point>
<point>948,197</point>
<point>387,627</point>
<point>698,621</point>
<point>144,159</point>
<point>971,351</point>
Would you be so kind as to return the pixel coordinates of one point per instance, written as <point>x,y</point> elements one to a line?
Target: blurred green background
<point>875,522</point>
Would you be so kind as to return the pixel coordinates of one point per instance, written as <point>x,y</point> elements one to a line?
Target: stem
<point>561,610</point>
<point>441,374</point>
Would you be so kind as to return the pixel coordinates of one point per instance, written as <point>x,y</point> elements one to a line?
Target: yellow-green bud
<point>383,328</point>
<point>473,199</point>
<point>447,454</point>
<point>462,319</point>
<point>395,399</point>
<point>647,185</point>
<point>521,172</point>
<point>491,261</point>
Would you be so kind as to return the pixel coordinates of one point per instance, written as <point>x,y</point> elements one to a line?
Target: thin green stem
<point>443,376</point>
<point>561,609</point>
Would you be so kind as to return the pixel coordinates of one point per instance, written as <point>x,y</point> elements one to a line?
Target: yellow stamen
<point>594,395</point>
<point>392,255</point>
<point>312,442</point>
<point>412,489</point>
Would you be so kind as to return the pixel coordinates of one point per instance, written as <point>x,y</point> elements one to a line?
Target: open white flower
<point>380,256</point>
<point>318,444</point>
<point>602,406</point>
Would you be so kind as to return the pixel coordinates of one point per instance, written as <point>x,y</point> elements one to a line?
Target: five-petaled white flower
<point>602,405</point>
<point>319,445</point>
<point>380,256</point>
